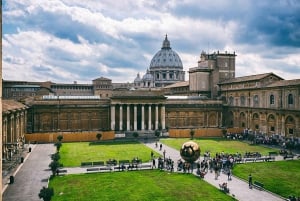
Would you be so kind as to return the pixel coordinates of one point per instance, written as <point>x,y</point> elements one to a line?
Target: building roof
<point>248,78</point>
<point>283,83</point>
<point>178,84</point>
<point>102,78</point>
<point>51,97</point>
<point>10,105</point>
<point>138,94</point>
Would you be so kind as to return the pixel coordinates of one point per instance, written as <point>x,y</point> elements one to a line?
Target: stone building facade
<point>263,103</point>
<point>14,121</point>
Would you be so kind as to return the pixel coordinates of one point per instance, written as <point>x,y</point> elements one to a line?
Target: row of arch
<point>270,124</point>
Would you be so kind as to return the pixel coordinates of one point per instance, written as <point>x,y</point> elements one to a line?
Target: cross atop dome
<point>166,43</point>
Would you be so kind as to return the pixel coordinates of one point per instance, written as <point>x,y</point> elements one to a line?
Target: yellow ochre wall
<point>68,136</point>
<point>204,132</point>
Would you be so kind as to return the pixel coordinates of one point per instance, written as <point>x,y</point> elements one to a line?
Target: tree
<point>46,193</point>
<point>54,165</point>
<point>55,157</point>
<point>58,146</point>
<point>192,133</point>
<point>60,138</point>
<point>98,136</point>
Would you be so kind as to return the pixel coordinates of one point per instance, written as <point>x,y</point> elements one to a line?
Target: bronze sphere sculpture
<point>190,151</point>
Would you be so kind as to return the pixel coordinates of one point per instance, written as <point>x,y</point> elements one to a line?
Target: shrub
<point>192,133</point>
<point>58,146</point>
<point>46,193</point>
<point>136,134</point>
<point>55,157</point>
<point>54,165</point>
<point>157,133</point>
<point>60,138</point>
<point>98,136</point>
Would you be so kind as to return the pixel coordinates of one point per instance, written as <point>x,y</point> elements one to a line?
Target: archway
<point>242,120</point>
<point>271,122</point>
<point>290,125</point>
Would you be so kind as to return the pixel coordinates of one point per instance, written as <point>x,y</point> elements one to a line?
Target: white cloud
<point>89,39</point>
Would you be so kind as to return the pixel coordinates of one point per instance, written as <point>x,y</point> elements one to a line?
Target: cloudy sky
<point>71,40</point>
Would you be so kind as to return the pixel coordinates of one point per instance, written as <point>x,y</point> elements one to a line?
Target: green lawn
<point>280,177</point>
<point>217,145</point>
<point>72,154</point>
<point>134,185</point>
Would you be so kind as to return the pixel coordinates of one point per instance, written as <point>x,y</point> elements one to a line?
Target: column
<point>221,118</point>
<point>156,117</point>
<point>149,121</point>
<point>143,118</point>
<point>135,117</point>
<point>12,125</point>
<point>121,117</point>
<point>128,117</point>
<point>163,117</point>
<point>278,128</point>
<point>282,126</point>
<point>112,117</point>
<point>17,126</point>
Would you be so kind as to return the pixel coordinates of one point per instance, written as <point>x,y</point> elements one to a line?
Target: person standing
<point>250,180</point>
<point>153,163</point>
<point>229,174</point>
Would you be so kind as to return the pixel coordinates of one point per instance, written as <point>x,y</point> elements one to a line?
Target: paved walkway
<point>34,172</point>
<point>30,176</point>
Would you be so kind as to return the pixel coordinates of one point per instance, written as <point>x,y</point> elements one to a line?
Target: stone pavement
<point>30,176</point>
<point>34,173</point>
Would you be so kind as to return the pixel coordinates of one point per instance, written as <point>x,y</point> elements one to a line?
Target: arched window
<point>255,100</point>
<point>230,100</point>
<point>255,116</point>
<point>290,99</point>
<point>272,99</point>
<point>242,100</point>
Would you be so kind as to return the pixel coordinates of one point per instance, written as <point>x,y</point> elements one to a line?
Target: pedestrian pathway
<point>238,188</point>
<point>30,176</point>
